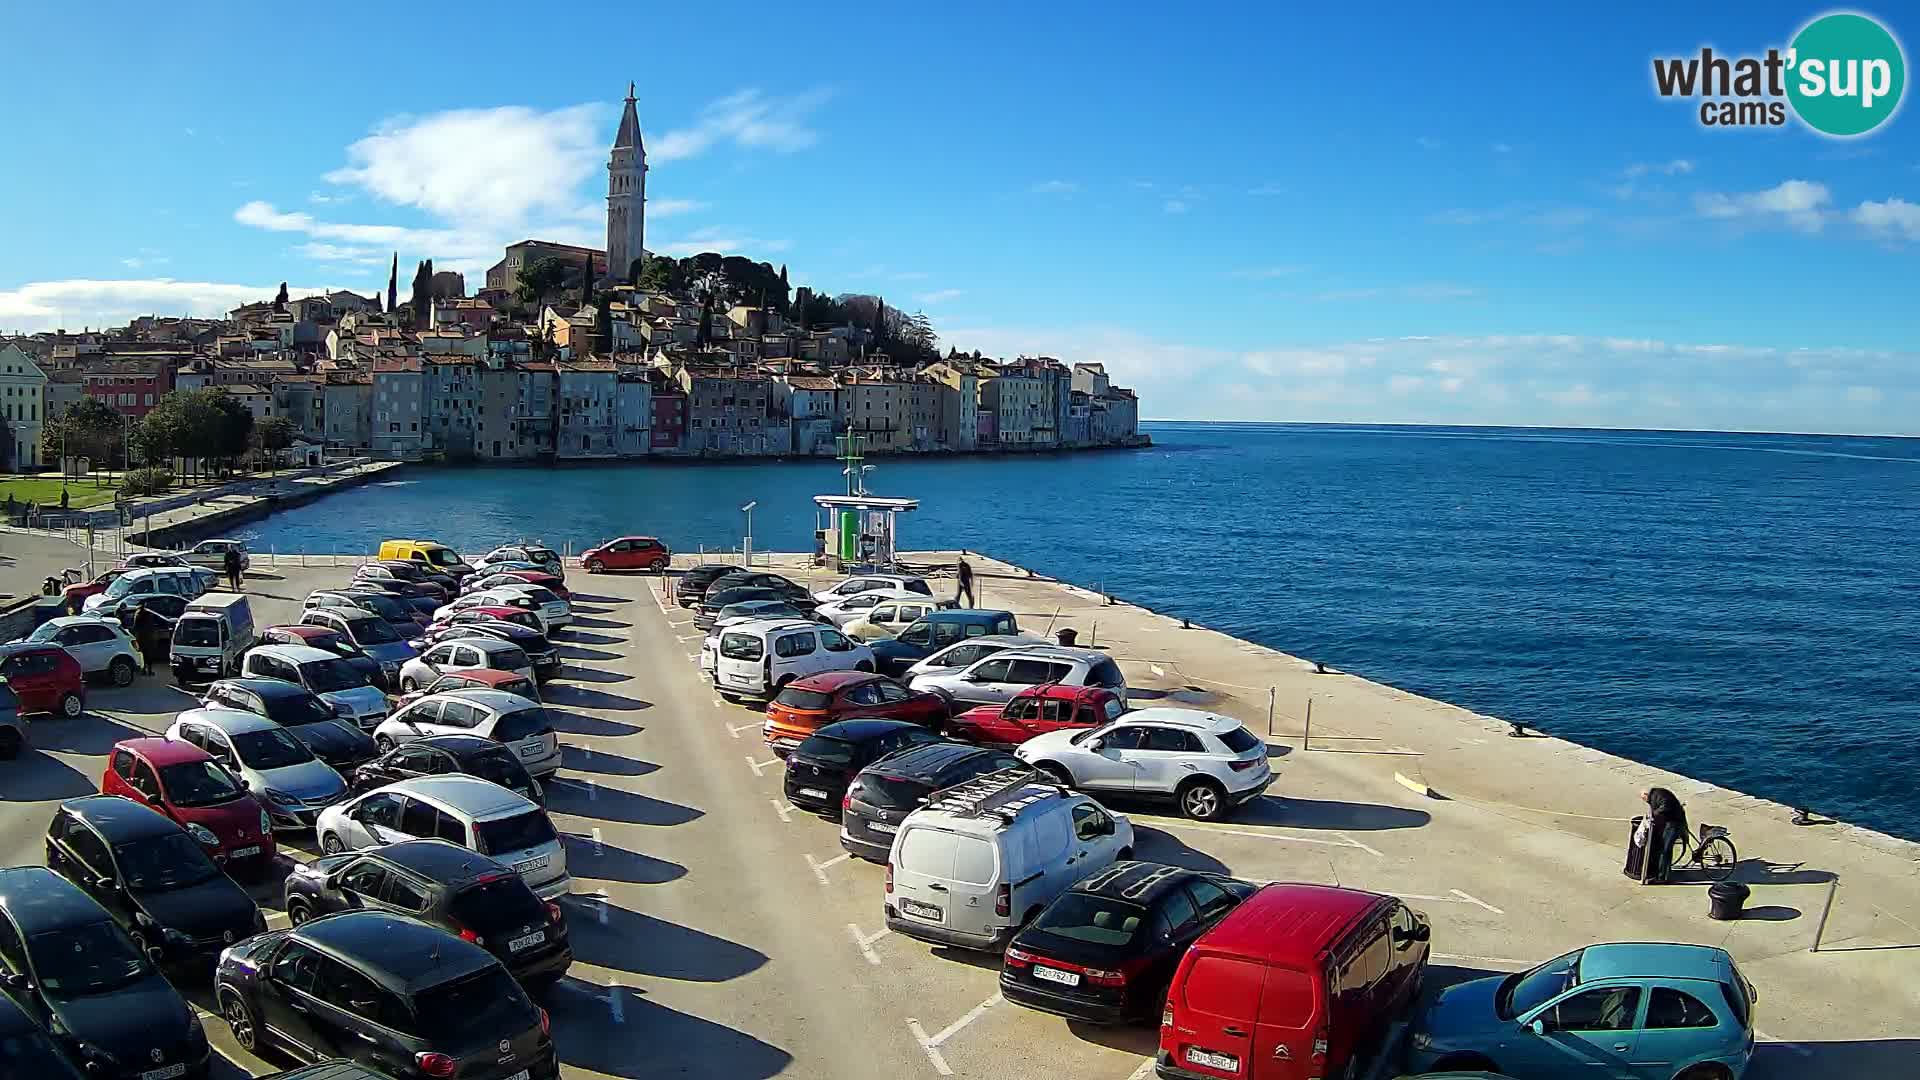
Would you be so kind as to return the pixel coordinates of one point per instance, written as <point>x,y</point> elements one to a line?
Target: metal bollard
<point>1306,736</point>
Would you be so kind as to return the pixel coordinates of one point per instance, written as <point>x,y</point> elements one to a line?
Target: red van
<point>181,781</point>
<point>1299,982</point>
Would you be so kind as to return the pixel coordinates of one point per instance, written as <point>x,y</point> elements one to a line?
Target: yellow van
<point>430,554</point>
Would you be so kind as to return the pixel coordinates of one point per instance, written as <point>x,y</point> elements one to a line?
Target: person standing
<point>1666,823</point>
<point>232,564</point>
<point>966,584</point>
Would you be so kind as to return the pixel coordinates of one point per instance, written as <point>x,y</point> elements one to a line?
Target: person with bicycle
<point>1666,822</point>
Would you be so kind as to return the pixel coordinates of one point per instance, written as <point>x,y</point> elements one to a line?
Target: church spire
<point>629,133</point>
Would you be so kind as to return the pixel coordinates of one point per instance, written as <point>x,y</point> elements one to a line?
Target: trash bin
<point>1729,900</point>
<point>1636,852</point>
<point>1067,636</point>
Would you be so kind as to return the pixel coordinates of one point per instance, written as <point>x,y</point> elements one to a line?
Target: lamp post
<point>746,546</point>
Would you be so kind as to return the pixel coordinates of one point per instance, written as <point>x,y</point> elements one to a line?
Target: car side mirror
<point>1095,744</point>
<point>1539,1027</point>
<point>1422,932</point>
<point>244,786</point>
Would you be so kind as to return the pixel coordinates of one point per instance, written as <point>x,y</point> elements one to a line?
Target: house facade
<point>399,412</point>
<point>23,401</point>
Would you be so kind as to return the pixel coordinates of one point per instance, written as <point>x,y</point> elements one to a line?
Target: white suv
<point>101,646</point>
<point>1201,761</point>
<point>477,814</point>
<point>756,659</point>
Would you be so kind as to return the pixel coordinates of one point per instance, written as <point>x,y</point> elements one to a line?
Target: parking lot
<point>720,932</point>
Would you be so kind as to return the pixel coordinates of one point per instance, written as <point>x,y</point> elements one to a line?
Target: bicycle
<point>1712,853</point>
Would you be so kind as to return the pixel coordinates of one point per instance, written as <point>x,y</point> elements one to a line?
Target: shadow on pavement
<point>1153,845</point>
<point>1770,913</point>
<point>1847,1057</point>
<point>594,675</point>
<point>1139,1040</point>
<point>596,624</point>
<point>88,733</point>
<point>585,698</point>
<point>581,724</point>
<point>637,1038</point>
<point>1326,814</point>
<point>594,598</point>
<point>612,804</point>
<point>641,944</point>
<point>581,759</point>
<point>38,778</point>
<point>568,652</point>
<point>606,862</point>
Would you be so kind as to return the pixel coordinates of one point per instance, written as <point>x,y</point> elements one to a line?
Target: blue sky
<point>1391,216</point>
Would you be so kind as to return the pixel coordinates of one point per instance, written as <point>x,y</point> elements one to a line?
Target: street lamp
<point>746,547</point>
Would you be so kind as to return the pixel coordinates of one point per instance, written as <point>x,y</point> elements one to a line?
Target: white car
<point>463,654</point>
<point>508,719</point>
<point>100,646</point>
<point>476,814</point>
<point>871,582</point>
<point>134,586</point>
<point>756,659</point>
<point>528,553</point>
<point>501,597</point>
<point>848,609</point>
<point>282,773</point>
<point>888,618</point>
<point>1203,762</point>
<point>213,554</point>
<point>965,653</point>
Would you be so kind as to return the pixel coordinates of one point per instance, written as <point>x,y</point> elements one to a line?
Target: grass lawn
<point>46,491</point>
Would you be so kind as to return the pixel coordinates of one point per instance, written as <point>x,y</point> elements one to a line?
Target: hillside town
<point>574,353</point>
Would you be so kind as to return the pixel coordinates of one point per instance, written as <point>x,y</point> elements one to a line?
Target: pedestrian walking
<point>232,563</point>
<point>966,584</point>
<point>153,632</point>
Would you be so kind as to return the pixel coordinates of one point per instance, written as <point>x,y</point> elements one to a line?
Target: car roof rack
<point>1003,794</point>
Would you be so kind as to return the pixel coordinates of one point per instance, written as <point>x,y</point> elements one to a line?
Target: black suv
<point>305,715</point>
<point>394,994</point>
<point>462,891</point>
<point>26,1051</point>
<point>73,970</point>
<point>692,585</point>
<point>155,880</point>
<point>436,755</point>
<point>821,767</point>
<point>885,792</point>
<point>539,649</point>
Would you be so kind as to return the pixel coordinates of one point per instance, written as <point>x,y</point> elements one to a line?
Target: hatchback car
<point>403,617</point>
<point>187,581</point>
<point>517,723</point>
<point>849,609</point>
<point>213,554</point>
<point>13,726</point>
<point>463,892</point>
<point>996,679</point>
<point>327,640</point>
<point>537,554</point>
<point>804,705</point>
<point>445,657</point>
<point>1203,762</point>
<point>155,880</point>
<point>28,1050</point>
<point>936,631</point>
<point>546,659</point>
<point>293,784</point>
<point>370,633</point>
<point>486,614</point>
<point>183,782</point>
<point>889,617</point>
<point>419,596</point>
<point>707,615</point>
<point>441,755</point>
<point>508,578</point>
<point>510,682</point>
<point>885,792</point>
<point>100,646</point>
<point>1671,1010</point>
<point>627,553</point>
<point>863,583</point>
<point>318,723</point>
<point>825,762</point>
<point>1105,950</point>
<point>1036,710</point>
<point>343,686</point>
<point>74,970</point>
<point>465,810</point>
<point>45,678</point>
<point>386,991</point>
<point>689,587</point>
<point>402,570</point>
<point>505,597</point>
<point>963,653</point>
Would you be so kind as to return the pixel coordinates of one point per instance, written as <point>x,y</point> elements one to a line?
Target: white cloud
<point>940,296</point>
<point>1054,187</point>
<point>1266,190</point>
<point>1174,206</point>
<point>72,304</point>
<point>342,253</point>
<point>725,239</point>
<point>747,119</point>
<point>1676,167</point>
<point>1893,218</point>
<point>662,208</point>
<point>1799,204</point>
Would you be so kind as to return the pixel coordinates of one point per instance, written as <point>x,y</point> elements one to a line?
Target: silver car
<point>965,652</point>
<point>508,719</point>
<point>995,679</point>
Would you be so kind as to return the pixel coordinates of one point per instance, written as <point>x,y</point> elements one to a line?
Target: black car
<point>76,973</point>
<point>692,585</point>
<point>1105,950</point>
<point>540,651</point>
<point>168,606</point>
<point>306,716</point>
<point>391,993</point>
<point>436,755</point>
<point>419,575</point>
<point>418,597</point>
<point>885,792</point>
<point>155,880</point>
<point>457,889</point>
<point>28,1051</point>
<point>783,589</point>
<point>397,611</point>
<point>821,767</point>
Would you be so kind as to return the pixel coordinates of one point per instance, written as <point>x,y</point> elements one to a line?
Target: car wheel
<point>70,705</point>
<point>239,1017</point>
<point>297,913</point>
<point>121,671</point>
<point>1057,771</point>
<point>9,744</point>
<point>658,566</point>
<point>1202,800</point>
<point>595,566</point>
<point>331,844</point>
<point>383,743</point>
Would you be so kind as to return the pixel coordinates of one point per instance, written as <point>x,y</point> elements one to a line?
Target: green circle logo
<point>1846,74</point>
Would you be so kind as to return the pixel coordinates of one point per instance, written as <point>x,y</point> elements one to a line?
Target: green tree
<point>422,297</point>
<point>662,273</point>
<point>234,428</point>
<point>89,428</point>
<point>280,298</point>
<point>272,436</point>
<point>541,278</point>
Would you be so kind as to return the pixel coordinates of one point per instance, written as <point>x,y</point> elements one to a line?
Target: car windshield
<point>1522,993</point>
<point>77,961</point>
<point>795,698</point>
<point>522,724</point>
<point>371,631</point>
<point>826,749</point>
<point>197,633</point>
<point>296,709</point>
<point>332,643</point>
<point>487,1000</point>
<point>272,748</point>
<point>44,632</point>
<point>198,783</point>
<point>173,861</point>
<point>501,767</point>
<point>1093,919</point>
<point>328,676</point>
<point>1239,740</point>
<point>890,792</point>
<point>120,587</point>
<point>517,833</point>
<point>442,557</point>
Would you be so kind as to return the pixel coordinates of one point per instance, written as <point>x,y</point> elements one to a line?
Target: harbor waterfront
<point>1732,607</point>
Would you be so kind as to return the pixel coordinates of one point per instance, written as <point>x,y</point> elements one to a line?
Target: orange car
<point>803,706</point>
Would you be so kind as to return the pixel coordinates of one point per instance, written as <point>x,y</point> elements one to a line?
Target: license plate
<point>167,1073</point>
<point>920,910</point>
<point>1064,978</point>
<point>521,1075</point>
<point>243,852</point>
<point>527,942</point>
<point>1222,1062</point>
<point>533,749</point>
<point>813,793</point>
<point>883,827</point>
<point>531,864</point>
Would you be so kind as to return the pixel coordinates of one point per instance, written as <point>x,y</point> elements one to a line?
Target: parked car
<point>510,598</point>
<point>466,810</point>
<point>417,596</point>
<point>74,596</point>
<point>537,554</point>
<point>210,635</point>
<point>45,678</point>
<point>186,784</point>
<point>554,611</point>
<point>458,890</point>
<point>545,658</point>
<point>462,655</point>
<point>885,792</point>
<point>690,587</point>
<point>996,679</point>
<point>404,618</point>
<point>935,631</point>
<point>155,880</point>
<point>753,579</point>
<point>316,722</point>
<point>342,685</point>
<point>75,972</point>
<point>861,583</point>
<point>1673,1010</point>
<point>213,554</point>
<point>889,617</point>
<point>804,705</point>
<point>706,616</point>
<point>1202,762</point>
<point>850,609</point>
<point>100,645</point>
<point>756,659</point>
<point>187,581</point>
<point>429,555</point>
<point>370,633</point>
<point>13,728</point>
<point>168,606</point>
<point>327,640</point>
<point>511,682</point>
<point>288,779</point>
<point>437,755</point>
<point>483,580</point>
<point>154,560</point>
<point>820,768</point>
<point>485,614</point>
<point>402,570</point>
<point>627,553</point>
<point>509,719</point>
<point>388,991</point>
<point>1105,950</point>
<point>1036,710</point>
<point>754,610</point>
<point>27,1049</point>
<point>1299,980</point>
<point>984,857</point>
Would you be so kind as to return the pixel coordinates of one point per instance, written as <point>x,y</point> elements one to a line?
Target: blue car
<point>1623,1012</point>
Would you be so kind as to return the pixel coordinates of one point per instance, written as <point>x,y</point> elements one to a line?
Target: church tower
<point>626,196</point>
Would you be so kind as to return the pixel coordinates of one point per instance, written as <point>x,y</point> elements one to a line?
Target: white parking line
<point>1145,1070</point>
<point>1783,1044</point>
<point>735,729</point>
<point>932,1045</point>
<point>1344,840</point>
<point>1506,960</point>
<point>820,868</point>
<point>1476,901</point>
<point>783,808</point>
<point>865,943</point>
<point>759,767</point>
<point>1457,897</point>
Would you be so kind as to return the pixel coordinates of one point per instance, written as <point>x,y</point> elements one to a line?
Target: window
<point>1123,738</point>
<point>973,860</point>
<point>405,895</point>
<point>893,693</point>
<point>460,714</point>
<point>122,762</point>
<point>89,849</point>
<point>296,967</point>
<point>452,829</point>
<point>1677,1009</point>
<point>1171,740</point>
<point>1212,900</point>
<point>420,819</point>
<point>864,694</point>
<point>1176,916</point>
<point>1088,822</point>
<point>382,810</point>
<point>1031,672</point>
<point>365,878</point>
<point>787,645</point>
<point>1605,1008</point>
<point>995,670</point>
<point>144,781</point>
<point>834,641</point>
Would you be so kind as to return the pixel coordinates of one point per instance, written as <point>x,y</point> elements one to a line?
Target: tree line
<point>204,426</point>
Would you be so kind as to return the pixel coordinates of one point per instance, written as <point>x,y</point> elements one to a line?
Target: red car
<point>183,782</point>
<point>806,705</point>
<point>627,553</point>
<point>45,677</point>
<point>487,613</point>
<point>76,595</point>
<point>1036,711</point>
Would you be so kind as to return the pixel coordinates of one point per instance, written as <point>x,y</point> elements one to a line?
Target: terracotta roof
<point>242,388</point>
<point>811,382</point>
<point>397,364</point>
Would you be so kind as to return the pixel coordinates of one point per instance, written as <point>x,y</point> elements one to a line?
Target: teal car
<point>1619,1012</point>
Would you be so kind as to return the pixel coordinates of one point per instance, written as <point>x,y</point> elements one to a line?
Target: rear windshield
<point>1095,919</point>
<point>917,586</point>
<point>371,631</point>
<point>544,596</point>
<point>197,633</point>
<point>198,783</point>
<point>380,604</point>
<point>543,555</point>
<point>516,833</point>
<point>508,660</point>
<point>1106,673</point>
<point>522,724</point>
<point>487,1000</point>
<point>504,903</point>
<point>328,676</point>
<point>891,792</point>
<point>500,766</point>
<point>740,646</point>
<point>331,643</point>
<point>795,698</point>
<point>271,748</point>
<point>827,749</point>
<point>522,686</point>
<point>1239,740</point>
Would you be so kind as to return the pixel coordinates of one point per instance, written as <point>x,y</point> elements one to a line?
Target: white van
<point>980,860</point>
<point>211,636</point>
<point>756,659</point>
